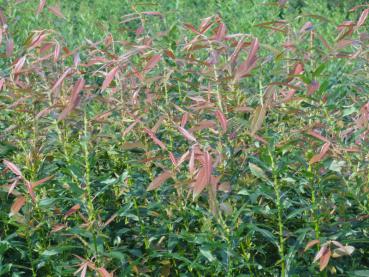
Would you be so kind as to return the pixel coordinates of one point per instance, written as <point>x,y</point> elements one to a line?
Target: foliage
<point>166,149</point>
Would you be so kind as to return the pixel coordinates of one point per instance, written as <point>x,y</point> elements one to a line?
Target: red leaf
<point>186,134</point>
<point>56,10</point>
<point>17,204</point>
<point>250,63</point>
<point>317,135</point>
<point>151,63</point>
<point>109,78</point>
<point>201,182</point>
<point>19,65</point>
<point>60,80</point>
<point>313,87</point>
<point>58,227</point>
<point>74,99</point>
<point>40,182</point>
<point>2,82</point>
<point>318,157</point>
<point>72,210</point>
<point>155,139</point>
<point>221,32</point>
<point>191,164</point>
<point>184,120</point>
<point>103,272</point>
<point>13,185</point>
<point>320,253</point>
<point>40,6</point>
<point>56,52</point>
<point>311,244</point>
<point>159,180</point>
<point>222,120</point>
<point>173,158</point>
<point>324,260</point>
<point>30,190</point>
<point>13,168</point>
<point>9,47</point>
<point>362,18</point>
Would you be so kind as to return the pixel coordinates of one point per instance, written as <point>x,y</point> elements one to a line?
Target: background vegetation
<point>184,138</point>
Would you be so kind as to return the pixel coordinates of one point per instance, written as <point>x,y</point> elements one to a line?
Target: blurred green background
<point>93,19</point>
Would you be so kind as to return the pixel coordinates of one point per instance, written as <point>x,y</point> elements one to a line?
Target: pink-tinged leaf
<point>317,135</point>
<point>313,87</point>
<point>109,78</point>
<point>60,80</point>
<point>9,48</point>
<point>320,253</point>
<point>221,32</point>
<point>129,128</point>
<point>191,164</point>
<point>183,158</point>
<point>2,82</point>
<point>201,182</point>
<point>40,182</point>
<point>17,204</point>
<point>184,119</point>
<point>74,99</point>
<point>13,185</point>
<point>56,52</point>
<point>282,2</point>
<point>311,244</point>
<point>151,63</point>
<point>324,260</point>
<point>222,120</point>
<point>30,190</point>
<point>19,65</point>
<point>318,157</point>
<point>58,227</point>
<point>72,210</point>
<point>308,26</point>
<point>173,158</point>
<point>362,18</point>
<point>103,272</point>
<point>207,166</point>
<point>76,59</point>
<point>192,28</point>
<point>37,40</point>
<point>56,11</point>
<point>250,63</point>
<point>155,139</point>
<point>13,168</point>
<point>298,69</point>
<point>40,6</point>
<point>159,180</point>
<point>186,134</point>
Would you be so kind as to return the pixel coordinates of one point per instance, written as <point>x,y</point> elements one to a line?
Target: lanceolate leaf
<point>74,99</point>
<point>17,204</point>
<point>250,63</point>
<point>109,78</point>
<point>61,79</point>
<point>151,63</point>
<point>159,180</point>
<point>187,134</point>
<point>40,7</point>
<point>362,18</point>
<point>13,168</point>
<point>222,120</point>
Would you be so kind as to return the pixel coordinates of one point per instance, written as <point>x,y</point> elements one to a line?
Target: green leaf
<point>207,254</point>
<point>258,172</point>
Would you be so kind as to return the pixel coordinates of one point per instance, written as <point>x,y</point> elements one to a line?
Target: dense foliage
<point>172,142</point>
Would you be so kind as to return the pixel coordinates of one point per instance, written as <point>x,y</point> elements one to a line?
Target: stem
<point>277,190</point>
